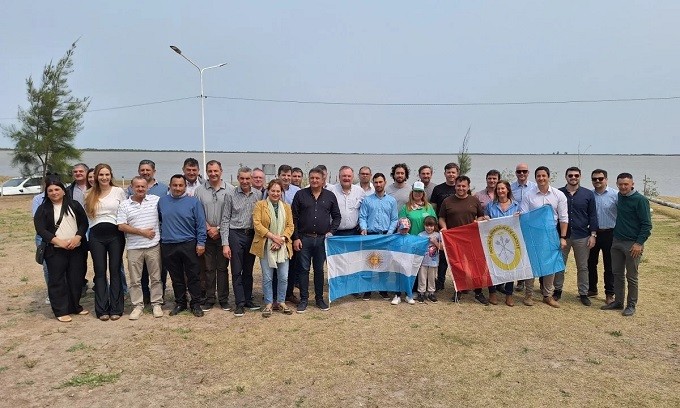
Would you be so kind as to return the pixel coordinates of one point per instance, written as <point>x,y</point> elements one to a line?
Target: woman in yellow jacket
<point>273,223</point>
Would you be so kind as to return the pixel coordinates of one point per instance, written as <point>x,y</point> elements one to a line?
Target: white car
<point>21,185</point>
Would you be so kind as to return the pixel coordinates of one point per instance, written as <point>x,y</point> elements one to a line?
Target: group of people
<point>194,229</point>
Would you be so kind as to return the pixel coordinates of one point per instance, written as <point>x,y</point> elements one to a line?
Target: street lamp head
<point>176,49</point>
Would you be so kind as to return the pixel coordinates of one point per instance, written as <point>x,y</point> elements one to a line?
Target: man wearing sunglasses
<point>519,190</point>
<point>605,203</point>
<point>581,232</point>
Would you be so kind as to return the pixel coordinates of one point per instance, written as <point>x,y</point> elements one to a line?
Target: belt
<point>313,234</point>
<point>606,229</point>
<point>247,231</point>
<point>376,232</point>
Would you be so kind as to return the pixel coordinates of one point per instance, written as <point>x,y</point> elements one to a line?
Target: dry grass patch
<point>359,353</point>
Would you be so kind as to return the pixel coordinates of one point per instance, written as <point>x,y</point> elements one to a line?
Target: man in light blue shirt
<point>378,212</point>
<point>378,215</point>
<point>523,184</point>
<point>605,203</point>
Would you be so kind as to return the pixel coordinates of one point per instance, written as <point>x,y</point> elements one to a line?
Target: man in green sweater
<point>633,227</point>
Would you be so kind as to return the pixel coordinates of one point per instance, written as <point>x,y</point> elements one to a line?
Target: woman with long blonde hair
<point>106,243</point>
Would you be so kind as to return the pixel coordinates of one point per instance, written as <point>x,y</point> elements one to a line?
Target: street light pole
<point>200,73</point>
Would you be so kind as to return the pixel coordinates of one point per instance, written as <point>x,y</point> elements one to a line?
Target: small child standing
<point>428,269</point>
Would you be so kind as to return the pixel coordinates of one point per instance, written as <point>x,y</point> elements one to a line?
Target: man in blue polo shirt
<point>606,199</point>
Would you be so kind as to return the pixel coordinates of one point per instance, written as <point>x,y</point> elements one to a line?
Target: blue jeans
<point>282,281</point>
<point>313,253</point>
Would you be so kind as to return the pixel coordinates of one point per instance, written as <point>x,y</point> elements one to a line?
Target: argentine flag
<point>365,263</point>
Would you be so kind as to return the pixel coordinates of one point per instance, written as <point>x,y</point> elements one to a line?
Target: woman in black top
<point>62,223</point>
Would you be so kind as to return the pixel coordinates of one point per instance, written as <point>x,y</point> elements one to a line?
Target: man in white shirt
<point>537,197</point>
<point>349,200</point>
<point>365,175</point>
<point>138,218</point>
<point>191,173</point>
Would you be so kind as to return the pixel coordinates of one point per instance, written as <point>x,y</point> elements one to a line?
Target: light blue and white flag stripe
<point>542,241</point>
<point>358,264</point>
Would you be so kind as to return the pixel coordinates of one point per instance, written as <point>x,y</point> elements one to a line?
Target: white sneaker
<point>47,300</point>
<point>410,300</point>
<point>157,311</point>
<point>396,300</point>
<point>137,312</point>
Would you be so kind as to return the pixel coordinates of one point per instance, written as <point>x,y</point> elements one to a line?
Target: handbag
<point>40,249</point>
<point>40,252</point>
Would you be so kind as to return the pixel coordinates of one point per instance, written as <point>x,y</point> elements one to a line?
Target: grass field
<point>364,354</point>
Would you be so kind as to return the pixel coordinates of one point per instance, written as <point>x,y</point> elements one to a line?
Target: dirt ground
<point>363,354</point>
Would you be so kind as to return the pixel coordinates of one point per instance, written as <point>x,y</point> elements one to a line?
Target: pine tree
<point>48,127</point>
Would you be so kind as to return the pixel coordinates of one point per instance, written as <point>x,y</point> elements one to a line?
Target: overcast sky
<point>356,51</point>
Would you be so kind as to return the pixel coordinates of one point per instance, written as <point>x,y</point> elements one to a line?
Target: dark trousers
<point>603,243</point>
<point>242,262</point>
<point>216,272</point>
<point>313,253</point>
<point>65,280</point>
<point>106,246</point>
<point>441,270</point>
<point>182,263</point>
<point>293,274</point>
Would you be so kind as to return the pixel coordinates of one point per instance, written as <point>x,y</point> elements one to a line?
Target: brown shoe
<point>528,301</point>
<point>609,300</point>
<point>293,299</point>
<point>285,309</point>
<point>592,293</point>
<point>493,299</point>
<point>548,300</point>
<point>509,300</point>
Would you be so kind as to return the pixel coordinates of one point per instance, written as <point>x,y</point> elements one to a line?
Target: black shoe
<point>251,305</point>
<point>322,305</point>
<point>629,311</point>
<point>367,296</point>
<point>225,307</point>
<point>432,298</point>
<point>438,286</point>
<point>612,306</point>
<point>197,311</point>
<point>178,309</point>
<point>420,298</point>
<point>585,300</point>
<point>456,296</point>
<point>557,295</point>
<point>302,306</point>
<point>592,293</point>
<point>147,300</point>
<point>385,296</point>
<point>482,299</point>
<point>206,307</point>
<point>239,311</point>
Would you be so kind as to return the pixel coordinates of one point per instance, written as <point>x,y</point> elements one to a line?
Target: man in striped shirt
<point>237,233</point>
<point>138,218</point>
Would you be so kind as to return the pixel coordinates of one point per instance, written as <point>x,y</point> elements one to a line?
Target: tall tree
<point>48,127</point>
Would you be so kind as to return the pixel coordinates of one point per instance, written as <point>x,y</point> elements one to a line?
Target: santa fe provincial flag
<point>358,264</point>
<point>503,250</point>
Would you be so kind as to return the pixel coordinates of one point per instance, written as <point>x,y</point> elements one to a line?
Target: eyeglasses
<point>573,175</point>
<point>597,178</point>
<point>522,171</point>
